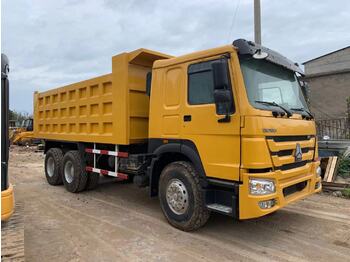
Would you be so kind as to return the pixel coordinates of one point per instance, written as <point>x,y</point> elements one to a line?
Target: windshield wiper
<point>300,109</point>
<point>289,114</point>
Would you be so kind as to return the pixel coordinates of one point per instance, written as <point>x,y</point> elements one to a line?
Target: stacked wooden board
<point>330,174</point>
<point>330,170</point>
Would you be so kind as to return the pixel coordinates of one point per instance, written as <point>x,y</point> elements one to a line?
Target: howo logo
<point>298,153</point>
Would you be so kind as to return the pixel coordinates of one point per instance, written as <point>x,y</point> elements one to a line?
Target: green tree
<point>18,116</point>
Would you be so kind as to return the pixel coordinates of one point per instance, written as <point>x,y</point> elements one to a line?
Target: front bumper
<point>7,203</point>
<point>284,180</point>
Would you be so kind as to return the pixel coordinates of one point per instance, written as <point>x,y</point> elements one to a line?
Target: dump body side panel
<point>79,112</point>
<point>110,109</point>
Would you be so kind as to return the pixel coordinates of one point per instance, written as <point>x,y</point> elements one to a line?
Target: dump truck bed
<point>110,109</point>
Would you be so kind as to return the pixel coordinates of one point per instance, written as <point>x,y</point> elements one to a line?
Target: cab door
<point>217,140</point>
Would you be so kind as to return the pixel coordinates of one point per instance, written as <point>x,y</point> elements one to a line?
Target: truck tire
<point>73,172</point>
<point>92,180</point>
<point>53,163</point>
<point>181,196</point>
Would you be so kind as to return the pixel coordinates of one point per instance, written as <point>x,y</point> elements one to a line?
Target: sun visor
<point>250,48</point>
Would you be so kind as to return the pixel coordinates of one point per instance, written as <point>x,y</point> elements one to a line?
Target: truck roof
<point>192,56</point>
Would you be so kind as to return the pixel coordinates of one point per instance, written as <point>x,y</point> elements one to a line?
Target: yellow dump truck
<point>224,130</point>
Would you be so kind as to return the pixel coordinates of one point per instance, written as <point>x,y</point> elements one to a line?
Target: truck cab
<point>238,113</point>
<point>27,125</point>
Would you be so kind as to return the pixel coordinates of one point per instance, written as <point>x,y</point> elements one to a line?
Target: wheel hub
<point>177,196</point>
<point>69,171</point>
<point>50,166</point>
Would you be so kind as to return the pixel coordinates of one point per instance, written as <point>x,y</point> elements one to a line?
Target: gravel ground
<point>119,222</point>
<point>12,236</point>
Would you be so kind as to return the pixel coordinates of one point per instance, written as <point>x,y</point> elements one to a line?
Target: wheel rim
<point>177,196</point>
<point>50,166</point>
<point>69,171</point>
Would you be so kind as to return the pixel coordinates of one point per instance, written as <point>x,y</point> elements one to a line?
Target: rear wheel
<point>53,163</point>
<point>181,196</point>
<point>73,172</point>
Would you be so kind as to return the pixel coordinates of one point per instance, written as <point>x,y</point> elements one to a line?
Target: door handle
<point>187,118</point>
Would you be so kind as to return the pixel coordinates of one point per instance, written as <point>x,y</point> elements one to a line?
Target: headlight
<point>318,171</point>
<point>261,187</point>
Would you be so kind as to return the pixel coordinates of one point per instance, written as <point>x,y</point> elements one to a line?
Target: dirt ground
<point>119,222</point>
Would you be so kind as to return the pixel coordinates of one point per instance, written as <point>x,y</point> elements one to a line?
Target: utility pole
<point>257,22</point>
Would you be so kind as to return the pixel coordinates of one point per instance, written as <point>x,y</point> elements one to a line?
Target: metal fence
<point>333,128</point>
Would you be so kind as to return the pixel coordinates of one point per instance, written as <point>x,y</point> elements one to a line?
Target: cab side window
<point>200,83</point>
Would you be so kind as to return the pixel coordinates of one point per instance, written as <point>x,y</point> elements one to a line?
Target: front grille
<point>294,188</point>
<point>283,150</point>
<point>259,170</point>
<point>292,165</point>
<point>289,138</point>
<point>289,152</point>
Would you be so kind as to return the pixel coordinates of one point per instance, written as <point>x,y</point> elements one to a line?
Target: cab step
<point>220,208</point>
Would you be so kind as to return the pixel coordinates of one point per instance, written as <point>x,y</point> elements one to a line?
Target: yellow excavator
<point>23,135</point>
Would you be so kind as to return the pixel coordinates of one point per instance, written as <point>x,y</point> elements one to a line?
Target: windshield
<point>268,82</point>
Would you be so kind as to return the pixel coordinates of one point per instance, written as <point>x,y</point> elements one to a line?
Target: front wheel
<point>181,196</point>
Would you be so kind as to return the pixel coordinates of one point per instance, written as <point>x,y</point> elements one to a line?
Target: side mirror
<point>222,90</point>
<point>220,73</point>
<point>222,96</point>
<point>223,104</point>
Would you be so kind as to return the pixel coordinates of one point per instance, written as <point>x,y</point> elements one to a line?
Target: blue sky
<point>53,43</point>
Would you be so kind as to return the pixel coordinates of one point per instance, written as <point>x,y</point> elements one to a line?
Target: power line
<point>233,21</point>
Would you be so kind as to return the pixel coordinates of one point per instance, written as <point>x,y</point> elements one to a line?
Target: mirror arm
<point>226,119</point>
